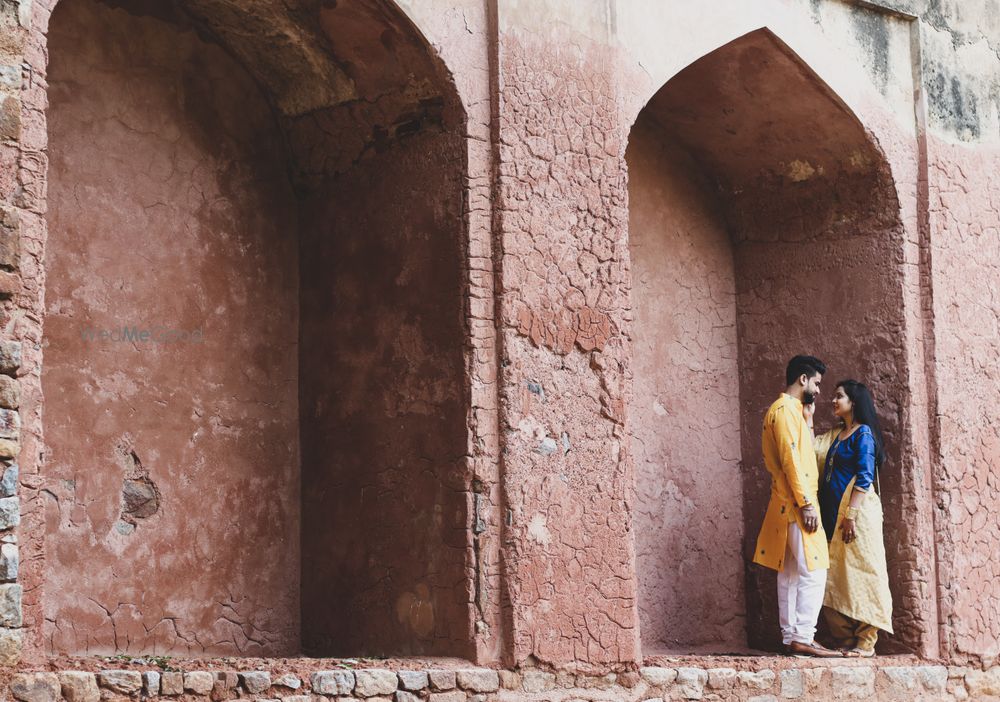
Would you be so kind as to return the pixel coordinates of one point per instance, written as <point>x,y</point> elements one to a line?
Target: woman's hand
<point>848,530</point>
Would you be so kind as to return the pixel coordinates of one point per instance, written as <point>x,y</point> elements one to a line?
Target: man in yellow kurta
<point>791,540</point>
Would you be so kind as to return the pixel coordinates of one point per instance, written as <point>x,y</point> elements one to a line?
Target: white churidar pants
<point>800,592</point>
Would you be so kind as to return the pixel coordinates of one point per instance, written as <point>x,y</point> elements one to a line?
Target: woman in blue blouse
<point>857,602</point>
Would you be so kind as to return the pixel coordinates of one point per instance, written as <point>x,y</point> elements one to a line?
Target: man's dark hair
<point>803,365</point>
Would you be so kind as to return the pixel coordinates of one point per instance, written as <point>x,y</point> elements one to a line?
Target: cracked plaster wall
<point>461,35</point>
<point>960,65</point>
<point>169,207</point>
<point>836,301</point>
<point>965,235</point>
<point>280,46</point>
<point>565,308</point>
<point>382,369</point>
<point>685,412</point>
<point>861,49</point>
<point>959,71</point>
<point>562,201</point>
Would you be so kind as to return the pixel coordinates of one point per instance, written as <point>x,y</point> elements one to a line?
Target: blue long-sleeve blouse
<point>855,455</point>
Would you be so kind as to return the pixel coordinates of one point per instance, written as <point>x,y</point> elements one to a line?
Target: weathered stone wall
<point>22,203</point>
<point>685,420</point>
<point>842,303</point>
<point>391,215</point>
<point>814,219</point>
<point>870,248</point>
<point>957,53</point>
<point>959,70</point>
<point>833,41</point>
<point>24,190</point>
<point>959,64</point>
<point>383,406</point>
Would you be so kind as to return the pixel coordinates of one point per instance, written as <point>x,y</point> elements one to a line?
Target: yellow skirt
<point>857,583</point>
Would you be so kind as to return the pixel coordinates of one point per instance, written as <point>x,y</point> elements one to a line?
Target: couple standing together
<point>823,527</point>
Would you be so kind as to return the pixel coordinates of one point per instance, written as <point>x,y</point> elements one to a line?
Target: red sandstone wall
<point>818,267</point>
<point>685,411</point>
<point>168,205</point>
<point>965,235</point>
<point>383,407</point>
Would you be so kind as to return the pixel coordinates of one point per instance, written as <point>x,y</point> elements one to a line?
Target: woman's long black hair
<point>864,413</point>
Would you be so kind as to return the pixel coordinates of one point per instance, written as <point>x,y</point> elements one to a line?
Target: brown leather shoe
<point>814,649</point>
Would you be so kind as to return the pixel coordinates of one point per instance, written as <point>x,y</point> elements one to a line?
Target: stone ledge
<point>843,680</point>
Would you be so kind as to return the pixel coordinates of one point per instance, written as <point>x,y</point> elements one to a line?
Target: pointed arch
<point>764,222</point>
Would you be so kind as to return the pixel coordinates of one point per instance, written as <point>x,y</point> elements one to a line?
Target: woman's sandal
<point>859,653</point>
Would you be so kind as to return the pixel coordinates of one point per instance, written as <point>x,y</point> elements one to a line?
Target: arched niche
<point>763,222</point>
<point>275,197</point>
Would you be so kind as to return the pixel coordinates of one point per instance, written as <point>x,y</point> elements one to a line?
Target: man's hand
<point>810,518</point>
<point>808,411</point>
<point>848,530</point>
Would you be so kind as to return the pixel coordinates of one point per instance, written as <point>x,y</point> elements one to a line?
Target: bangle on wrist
<point>852,513</point>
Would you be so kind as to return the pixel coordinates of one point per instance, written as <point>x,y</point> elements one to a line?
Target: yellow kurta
<point>857,583</point>
<point>790,459</point>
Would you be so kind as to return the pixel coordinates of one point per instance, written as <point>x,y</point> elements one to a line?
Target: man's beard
<point>808,398</point>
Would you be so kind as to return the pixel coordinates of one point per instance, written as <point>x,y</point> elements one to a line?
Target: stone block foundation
<point>758,679</point>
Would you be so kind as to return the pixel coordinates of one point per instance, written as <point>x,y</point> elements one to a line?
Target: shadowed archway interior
<point>273,191</point>
<point>763,222</point>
